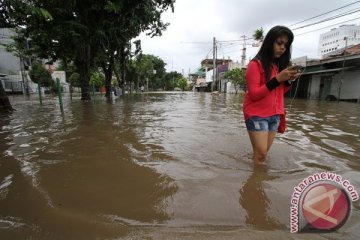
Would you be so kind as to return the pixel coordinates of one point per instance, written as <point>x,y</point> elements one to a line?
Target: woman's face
<point>280,45</point>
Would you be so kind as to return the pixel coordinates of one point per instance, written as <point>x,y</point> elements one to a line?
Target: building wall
<point>334,89</point>
<point>334,39</point>
<point>315,87</point>
<point>9,64</point>
<point>209,76</point>
<point>350,88</point>
<point>229,87</point>
<point>233,65</point>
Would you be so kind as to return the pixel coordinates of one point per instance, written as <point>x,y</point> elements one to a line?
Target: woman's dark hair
<point>266,52</point>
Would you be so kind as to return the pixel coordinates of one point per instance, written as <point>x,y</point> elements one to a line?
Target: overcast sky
<point>194,23</point>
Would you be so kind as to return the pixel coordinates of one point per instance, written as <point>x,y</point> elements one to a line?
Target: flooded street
<point>165,166</point>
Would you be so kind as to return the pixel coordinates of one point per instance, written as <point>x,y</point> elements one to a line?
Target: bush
<point>97,80</point>
<point>40,75</point>
<point>74,80</point>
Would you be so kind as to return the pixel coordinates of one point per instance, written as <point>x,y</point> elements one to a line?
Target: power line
<point>196,42</point>
<point>349,12</point>
<point>324,13</point>
<point>327,26</point>
<point>328,19</point>
<point>210,51</point>
<point>237,40</point>
<point>230,46</point>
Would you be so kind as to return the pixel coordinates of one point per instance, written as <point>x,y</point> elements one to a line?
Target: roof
<point>209,61</point>
<point>200,72</point>
<point>354,50</point>
<point>325,70</point>
<point>337,58</point>
<point>349,50</point>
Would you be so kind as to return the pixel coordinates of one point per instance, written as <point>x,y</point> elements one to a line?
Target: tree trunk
<point>5,105</point>
<point>82,63</point>
<point>108,74</point>
<point>117,70</point>
<point>123,68</point>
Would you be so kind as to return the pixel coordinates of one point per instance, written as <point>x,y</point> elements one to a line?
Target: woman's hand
<point>287,74</point>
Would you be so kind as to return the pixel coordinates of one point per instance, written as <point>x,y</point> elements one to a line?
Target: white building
<point>338,38</point>
<point>14,72</point>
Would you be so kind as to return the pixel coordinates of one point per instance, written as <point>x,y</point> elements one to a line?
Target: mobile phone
<point>294,67</point>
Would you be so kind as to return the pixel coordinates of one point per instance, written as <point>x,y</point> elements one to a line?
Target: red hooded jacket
<point>259,100</point>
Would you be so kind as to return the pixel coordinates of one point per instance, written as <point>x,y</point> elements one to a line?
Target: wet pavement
<point>165,166</point>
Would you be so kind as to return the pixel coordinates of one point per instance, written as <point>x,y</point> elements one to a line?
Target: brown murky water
<point>165,166</point>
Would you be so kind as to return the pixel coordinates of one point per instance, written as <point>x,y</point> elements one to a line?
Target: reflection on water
<point>105,170</point>
<point>255,201</point>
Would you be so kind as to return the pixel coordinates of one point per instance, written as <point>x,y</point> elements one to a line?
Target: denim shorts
<point>267,124</point>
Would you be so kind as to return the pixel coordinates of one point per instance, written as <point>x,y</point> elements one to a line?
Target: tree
<point>74,79</point>
<point>68,67</point>
<point>85,30</point>
<point>156,79</point>
<point>97,79</point>
<point>40,75</point>
<point>170,80</point>
<point>258,34</point>
<point>258,37</point>
<point>124,20</point>
<point>146,69</point>
<point>237,78</point>
<point>182,82</point>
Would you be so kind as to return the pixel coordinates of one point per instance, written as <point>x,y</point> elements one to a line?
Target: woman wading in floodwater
<point>268,77</point>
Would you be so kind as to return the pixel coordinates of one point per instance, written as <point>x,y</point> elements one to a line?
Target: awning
<point>326,71</point>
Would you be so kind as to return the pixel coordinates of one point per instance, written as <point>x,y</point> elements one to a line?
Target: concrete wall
<point>350,88</point>
<point>315,87</point>
<point>60,75</point>
<point>9,64</point>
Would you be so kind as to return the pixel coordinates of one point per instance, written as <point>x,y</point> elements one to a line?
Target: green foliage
<point>83,31</point>
<point>171,80</point>
<point>97,79</point>
<point>147,67</point>
<point>258,34</point>
<point>182,83</point>
<point>74,79</point>
<point>68,67</point>
<point>40,75</point>
<point>236,77</point>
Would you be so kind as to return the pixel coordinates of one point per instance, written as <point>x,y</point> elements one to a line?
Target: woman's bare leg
<point>271,138</point>
<point>259,142</point>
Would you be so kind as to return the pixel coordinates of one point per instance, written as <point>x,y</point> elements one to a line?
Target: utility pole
<point>217,72</point>
<point>243,56</point>
<point>342,70</point>
<point>189,77</point>
<point>214,55</point>
<point>172,71</point>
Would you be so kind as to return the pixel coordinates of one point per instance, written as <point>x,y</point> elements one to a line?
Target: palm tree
<point>258,34</point>
<point>258,37</point>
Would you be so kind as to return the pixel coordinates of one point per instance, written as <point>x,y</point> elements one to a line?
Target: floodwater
<point>165,166</point>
